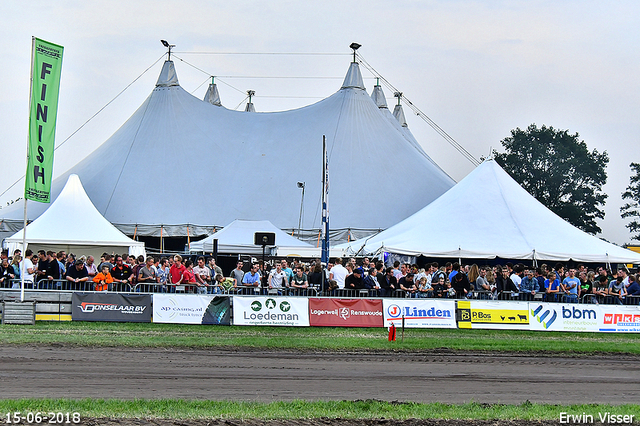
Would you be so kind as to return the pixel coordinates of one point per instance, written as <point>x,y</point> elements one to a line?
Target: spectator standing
<point>203,276</point>
<point>338,273</point>
<point>237,274</point>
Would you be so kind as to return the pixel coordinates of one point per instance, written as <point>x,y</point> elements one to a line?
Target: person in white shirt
<point>27,270</point>
<point>338,273</point>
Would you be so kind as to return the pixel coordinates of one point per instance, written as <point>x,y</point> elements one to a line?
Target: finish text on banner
<point>345,312</point>
<point>420,313</point>
<point>263,310</point>
<point>45,83</point>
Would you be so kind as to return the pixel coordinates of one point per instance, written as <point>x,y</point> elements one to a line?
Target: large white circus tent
<point>73,224</point>
<point>181,165</point>
<point>488,215</point>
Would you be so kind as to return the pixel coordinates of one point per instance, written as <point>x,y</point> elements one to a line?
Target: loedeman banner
<point>111,307</point>
<point>345,312</point>
<point>564,316</point>
<point>264,310</point>
<point>191,309</point>
<point>420,313</point>
<point>493,314</point>
<point>45,83</point>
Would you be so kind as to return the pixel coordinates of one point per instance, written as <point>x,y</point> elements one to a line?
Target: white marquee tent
<point>248,163</point>
<point>488,215</point>
<point>238,237</point>
<point>73,224</point>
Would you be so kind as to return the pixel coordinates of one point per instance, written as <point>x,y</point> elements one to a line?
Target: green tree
<point>557,168</point>
<point>631,209</point>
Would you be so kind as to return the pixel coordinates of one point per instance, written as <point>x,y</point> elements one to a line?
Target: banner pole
<point>24,222</point>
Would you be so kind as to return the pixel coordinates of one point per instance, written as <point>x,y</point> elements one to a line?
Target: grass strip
<point>368,409</point>
<point>146,335</point>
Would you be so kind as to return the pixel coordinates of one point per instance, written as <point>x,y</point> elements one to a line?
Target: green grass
<point>314,338</point>
<point>186,409</point>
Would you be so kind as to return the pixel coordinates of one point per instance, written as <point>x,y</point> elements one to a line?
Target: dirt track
<point>75,372</point>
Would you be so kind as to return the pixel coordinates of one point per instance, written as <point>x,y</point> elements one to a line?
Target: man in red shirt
<point>176,271</point>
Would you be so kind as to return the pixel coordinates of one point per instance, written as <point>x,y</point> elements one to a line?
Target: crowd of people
<point>173,274</point>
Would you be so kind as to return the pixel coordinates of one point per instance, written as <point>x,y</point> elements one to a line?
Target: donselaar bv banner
<point>46,69</point>
<point>191,309</point>
<point>111,307</point>
<point>263,310</point>
<point>420,313</point>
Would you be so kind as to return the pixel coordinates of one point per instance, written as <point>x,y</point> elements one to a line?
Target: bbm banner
<point>111,307</point>
<point>45,83</point>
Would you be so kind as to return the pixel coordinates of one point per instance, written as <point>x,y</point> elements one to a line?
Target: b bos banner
<point>191,309</point>
<point>493,314</point>
<point>420,313</point>
<point>345,312</point>
<point>265,310</point>
<point>111,307</point>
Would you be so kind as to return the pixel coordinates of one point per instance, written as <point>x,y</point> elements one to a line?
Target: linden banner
<point>46,68</point>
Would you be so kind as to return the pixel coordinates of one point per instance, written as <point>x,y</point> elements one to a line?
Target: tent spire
<point>378,95</point>
<point>355,46</point>
<point>353,77</point>
<point>212,96</point>
<point>250,107</point>
<point>398,112</point>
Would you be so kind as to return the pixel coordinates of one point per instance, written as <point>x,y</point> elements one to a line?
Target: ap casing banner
<point>420,313</point>
<point>263,310</point>
<point>191,309</point>
<point>111,307</point>
<point>564,316</point>
<point>346,312</point>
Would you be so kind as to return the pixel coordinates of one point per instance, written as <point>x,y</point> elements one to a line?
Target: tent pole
<point>24,244</point>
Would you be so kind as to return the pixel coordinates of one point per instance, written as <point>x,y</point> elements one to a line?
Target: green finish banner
<point>46,67</point>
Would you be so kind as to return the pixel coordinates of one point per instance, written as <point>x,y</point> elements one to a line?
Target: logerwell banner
<point>111,307</point>
<point>45,84</point>
<point>345,312</point>
<point>264,310</point>
<point>420,313</point>
<point>191,309</point>
<point>493,314</point>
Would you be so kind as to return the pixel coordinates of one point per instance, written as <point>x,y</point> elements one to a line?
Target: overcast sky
<point>477,68</point>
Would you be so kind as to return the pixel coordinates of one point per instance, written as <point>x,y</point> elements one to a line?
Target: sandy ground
<point>79,372</point>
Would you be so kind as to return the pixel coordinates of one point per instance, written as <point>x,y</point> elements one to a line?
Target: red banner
<point>345,313</point>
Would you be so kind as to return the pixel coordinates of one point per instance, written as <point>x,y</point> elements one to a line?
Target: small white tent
<point>238,237</point>
<point>488,215</point>
<point>72,223</point>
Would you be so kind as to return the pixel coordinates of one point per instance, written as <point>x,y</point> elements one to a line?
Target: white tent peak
<point>238,237</point>
<point>168,76</point>
<point>353,79</point>
<point>212,96</point>
<point>72,219</point>
<point>486,215</point>
<point>378,96</point>
<point>398,113</point>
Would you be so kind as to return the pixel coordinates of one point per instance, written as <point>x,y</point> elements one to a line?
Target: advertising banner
<point>493,314</point>
<point>420,313</point>
<point>264,310</point>
<point>564,316</point>
<point>619,319</point>
<point>345,312</point>
<point>191,309</point>
<point>111,307</point>
<point>46,68</point>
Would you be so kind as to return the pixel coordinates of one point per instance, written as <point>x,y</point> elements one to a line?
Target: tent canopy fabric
<point>72,220</point>
<point>488,215</point>
<point>238,237</point>
<point>248,164</point>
